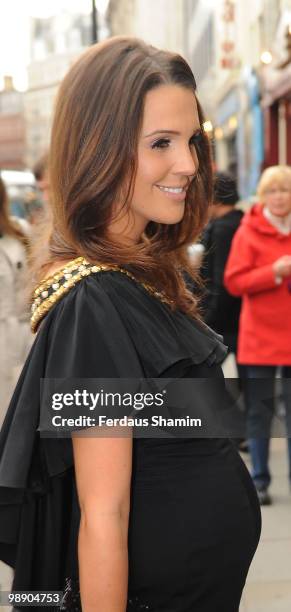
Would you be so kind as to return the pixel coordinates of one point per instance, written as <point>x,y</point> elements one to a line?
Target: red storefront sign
<point>228,59</point>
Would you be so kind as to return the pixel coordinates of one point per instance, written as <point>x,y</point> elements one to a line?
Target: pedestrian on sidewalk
<point>221,310</point>
<point>259,270</point>
<point>125,524</point>
<point>15,334</point>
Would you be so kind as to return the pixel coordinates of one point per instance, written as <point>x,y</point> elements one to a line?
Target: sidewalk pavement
<point>268,587</point>
<point>5,582</point>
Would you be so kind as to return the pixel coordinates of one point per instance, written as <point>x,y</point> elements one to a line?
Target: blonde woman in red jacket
<point>259,270</point>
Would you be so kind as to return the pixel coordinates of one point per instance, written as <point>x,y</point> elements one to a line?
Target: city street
<point>145,188</point>
<point>269,582</point>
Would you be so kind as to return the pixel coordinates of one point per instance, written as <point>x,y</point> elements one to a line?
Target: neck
<point>279,218</point>
<point>126,229</point>
<point>283,224</point>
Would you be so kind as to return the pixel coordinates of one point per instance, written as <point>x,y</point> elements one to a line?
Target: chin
<point>171,219</point>
<point>281,213</point>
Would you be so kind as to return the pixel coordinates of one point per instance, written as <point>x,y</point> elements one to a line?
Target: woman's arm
<point>241,276</point>
<point>103,476</point>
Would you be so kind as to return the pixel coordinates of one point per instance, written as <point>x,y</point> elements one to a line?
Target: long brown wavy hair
<point>9,227</point>
<point>97,122</point>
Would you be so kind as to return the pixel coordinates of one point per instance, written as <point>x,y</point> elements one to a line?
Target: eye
<point>197,139</point>
<point>162,143</point>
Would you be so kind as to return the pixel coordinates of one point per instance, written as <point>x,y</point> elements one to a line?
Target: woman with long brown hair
<point>15,334</point>
<point>123,523</point>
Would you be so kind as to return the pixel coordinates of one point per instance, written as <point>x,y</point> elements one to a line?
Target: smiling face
<point>167,162</point>
<point>167,158</point>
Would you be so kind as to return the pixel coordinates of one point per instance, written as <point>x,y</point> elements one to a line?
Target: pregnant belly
<point>194,525</point>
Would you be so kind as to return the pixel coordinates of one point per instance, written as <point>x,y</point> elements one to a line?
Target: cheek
<point>270,201</point>
<point>151,171</point>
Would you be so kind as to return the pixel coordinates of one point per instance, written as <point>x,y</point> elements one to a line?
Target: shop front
<point>239,133</point>
<point>276,103</point>
<point>276,98</point>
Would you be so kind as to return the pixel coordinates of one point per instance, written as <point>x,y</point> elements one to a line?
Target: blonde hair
<point>273,175</point>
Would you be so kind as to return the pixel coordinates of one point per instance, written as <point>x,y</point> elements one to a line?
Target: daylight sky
<point>14,31</point>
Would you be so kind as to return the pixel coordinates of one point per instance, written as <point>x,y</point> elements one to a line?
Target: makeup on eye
<point>163,143</point>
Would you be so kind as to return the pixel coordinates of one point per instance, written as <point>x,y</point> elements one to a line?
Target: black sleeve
<point>82,336</point>
<point>88,339</point>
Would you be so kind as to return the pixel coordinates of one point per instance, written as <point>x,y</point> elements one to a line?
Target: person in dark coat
<point>221,310</point>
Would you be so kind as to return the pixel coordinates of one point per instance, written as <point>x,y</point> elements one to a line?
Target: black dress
<point>194,519</point>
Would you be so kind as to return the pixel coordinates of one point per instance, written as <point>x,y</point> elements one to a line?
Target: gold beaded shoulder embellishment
<point>52,289</point>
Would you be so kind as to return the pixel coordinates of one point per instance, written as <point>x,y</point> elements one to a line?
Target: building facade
<point>12,128</point>
<point>235,35</point>
<point>247,102</point>
<point>160,23</point>
<point>242,58</point>
<point>122,17</point>
<point>55,43</point>
<point>276,91</point>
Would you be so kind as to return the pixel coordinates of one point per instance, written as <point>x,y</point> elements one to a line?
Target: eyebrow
<point>170,132</point>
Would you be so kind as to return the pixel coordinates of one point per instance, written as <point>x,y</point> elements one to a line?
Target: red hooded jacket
<point>265,321</point>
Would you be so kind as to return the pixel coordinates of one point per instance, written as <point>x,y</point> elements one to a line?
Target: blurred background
<point>239,50</point>
<point>240,53</point>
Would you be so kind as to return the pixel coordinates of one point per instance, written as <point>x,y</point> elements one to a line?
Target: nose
<point>187,163</point>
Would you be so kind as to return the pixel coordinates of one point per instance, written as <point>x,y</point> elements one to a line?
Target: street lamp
<point>99,7</point>
<point>266,58</point>
<point>94,23</point>
<point>208,127</point>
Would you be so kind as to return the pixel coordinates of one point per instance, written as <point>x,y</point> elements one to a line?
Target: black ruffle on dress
<point>194,520</point>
